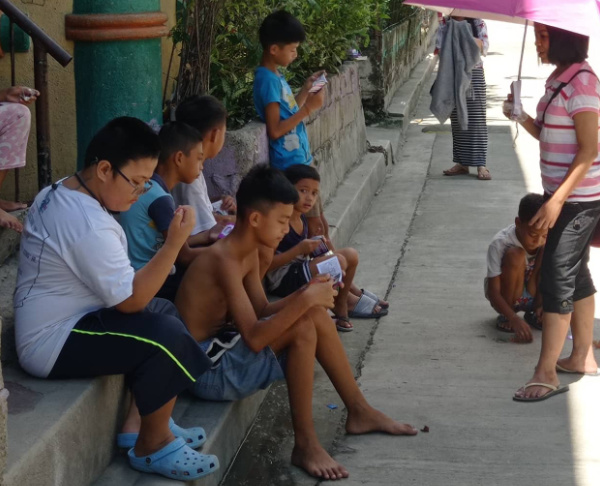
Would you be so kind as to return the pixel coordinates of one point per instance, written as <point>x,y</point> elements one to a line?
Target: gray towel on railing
<point>458,56</point>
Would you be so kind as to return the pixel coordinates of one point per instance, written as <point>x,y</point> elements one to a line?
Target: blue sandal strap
<point>194,437</point>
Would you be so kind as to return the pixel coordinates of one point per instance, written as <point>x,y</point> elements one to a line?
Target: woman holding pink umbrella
<point>566,125</point>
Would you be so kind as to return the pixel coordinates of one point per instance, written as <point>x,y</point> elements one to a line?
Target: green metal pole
<point>118,64</point>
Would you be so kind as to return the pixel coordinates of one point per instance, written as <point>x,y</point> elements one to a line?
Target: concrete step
<point>59,432</point>
<point>405,100</point>
<point>227,423</point>
<point>355,194</point>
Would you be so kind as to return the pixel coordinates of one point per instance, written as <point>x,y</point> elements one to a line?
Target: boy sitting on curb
<point>207,115</point>
<point>146,223</point>
<point>514,259</point>
<point>280,35</point>
<point>292,267</point>
<point>221,294</point>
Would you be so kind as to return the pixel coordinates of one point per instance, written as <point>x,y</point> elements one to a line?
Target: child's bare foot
<point>11,205</point>
<point>10,222</point>
<point>316,462</point>
<point>367,419</point>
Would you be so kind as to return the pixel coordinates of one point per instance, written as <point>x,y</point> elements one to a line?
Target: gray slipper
<point>365,309</point>
<point>370,294</point>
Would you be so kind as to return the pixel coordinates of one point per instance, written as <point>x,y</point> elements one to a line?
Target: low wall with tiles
<point>337,136</point>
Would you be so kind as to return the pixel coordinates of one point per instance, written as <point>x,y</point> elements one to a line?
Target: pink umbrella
<point>581,16</point>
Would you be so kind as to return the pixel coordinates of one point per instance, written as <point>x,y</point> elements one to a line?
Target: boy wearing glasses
<point>146,223</point>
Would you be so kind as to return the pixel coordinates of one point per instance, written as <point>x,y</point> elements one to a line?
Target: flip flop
<point>573,372</point>
<point>370,294</point>
<point>502,320</point>
<point>194,437</point>
<point>365,309</point>
<point>342,328</point>
<point>175,461</point>
<point>456,170</point>
<point>554,390</point>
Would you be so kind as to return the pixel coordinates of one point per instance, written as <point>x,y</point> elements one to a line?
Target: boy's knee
<point>342,260</point>
<point>351,256</point>
<point>514,258</point>
<point>22,112</point>
<point>304,330</point>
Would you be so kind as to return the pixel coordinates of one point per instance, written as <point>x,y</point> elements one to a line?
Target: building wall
<point>50,16</point>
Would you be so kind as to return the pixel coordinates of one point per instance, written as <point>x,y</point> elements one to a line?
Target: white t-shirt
<point>73,261</point>
<point>504,239</point>
<point>196,195</point>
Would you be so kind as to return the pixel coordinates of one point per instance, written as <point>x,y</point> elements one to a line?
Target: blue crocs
<point>194,436</point>
<point>175,461</point>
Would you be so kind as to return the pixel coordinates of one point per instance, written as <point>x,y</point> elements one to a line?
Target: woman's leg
<point>469,145</point>
<point>582,326</point>
<point>15,121</point>
<point>566,286</point>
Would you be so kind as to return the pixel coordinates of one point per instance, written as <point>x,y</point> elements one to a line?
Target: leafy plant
<point>333,27</point>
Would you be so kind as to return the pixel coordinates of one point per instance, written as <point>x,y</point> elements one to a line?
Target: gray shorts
<point>238,372</point>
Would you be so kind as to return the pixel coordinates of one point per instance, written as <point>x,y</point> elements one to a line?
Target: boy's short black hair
<point>261,188</point>
<point>203,112</point>
<point>122,140</point>
<point>282,28</point>
<point>297,172</point>
<point>529,206</point>
<point>566,47</point>
<point>177,136</point>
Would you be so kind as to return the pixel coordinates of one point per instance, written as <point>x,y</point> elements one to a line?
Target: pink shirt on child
<point>558,142</point>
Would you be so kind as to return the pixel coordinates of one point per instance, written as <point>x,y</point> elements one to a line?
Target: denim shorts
<point>239,372</point>
<point>565,276</point>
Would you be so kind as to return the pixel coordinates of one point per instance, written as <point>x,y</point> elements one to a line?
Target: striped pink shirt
<point>558,142</point>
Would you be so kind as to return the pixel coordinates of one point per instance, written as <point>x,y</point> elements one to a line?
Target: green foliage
<point>236,53</point>
<point>332,27</point>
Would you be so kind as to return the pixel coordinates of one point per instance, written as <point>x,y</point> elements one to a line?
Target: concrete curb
<point>355,194</point>
<point>406,98</point>
<point>59,432</point>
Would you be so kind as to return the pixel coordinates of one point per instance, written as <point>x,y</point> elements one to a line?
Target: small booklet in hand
<point>322,249</point>
<point>318,84</point>
<point>332,267</point>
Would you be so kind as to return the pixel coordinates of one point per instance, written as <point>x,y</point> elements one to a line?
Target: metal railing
<point>42,46</point>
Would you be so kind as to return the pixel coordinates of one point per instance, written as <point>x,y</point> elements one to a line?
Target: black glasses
<point>138,189</point>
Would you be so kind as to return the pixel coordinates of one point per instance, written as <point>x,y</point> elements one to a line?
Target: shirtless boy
<point>280,339</point>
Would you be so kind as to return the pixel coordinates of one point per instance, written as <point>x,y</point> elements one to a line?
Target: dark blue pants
<point>153,348</point>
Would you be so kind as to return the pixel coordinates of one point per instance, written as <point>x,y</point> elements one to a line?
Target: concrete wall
<point>392,55</point>
<point>50,16</point>
<point>337,136</point>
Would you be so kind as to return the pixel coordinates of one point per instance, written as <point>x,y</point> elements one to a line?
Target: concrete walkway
<point>437,359</point>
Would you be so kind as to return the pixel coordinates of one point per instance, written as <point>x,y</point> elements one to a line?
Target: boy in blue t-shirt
<point>146,223</point>
<point>280,35</point>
